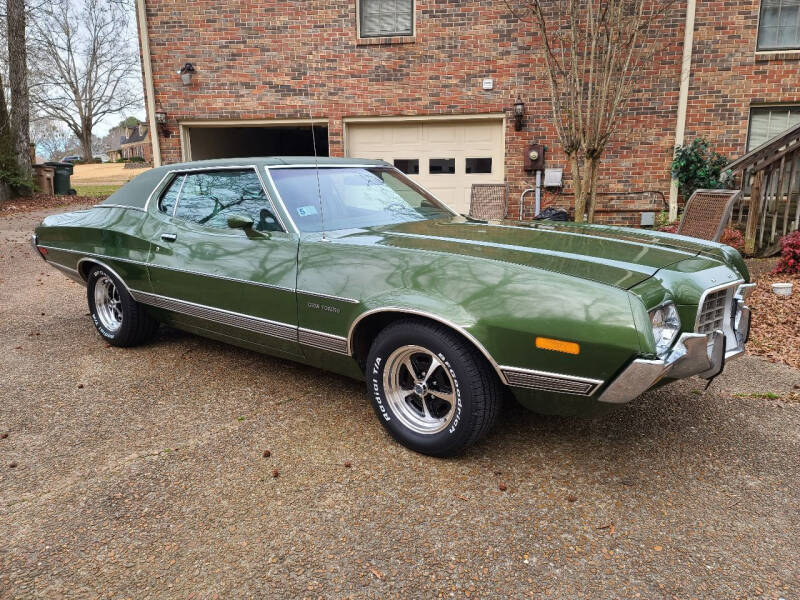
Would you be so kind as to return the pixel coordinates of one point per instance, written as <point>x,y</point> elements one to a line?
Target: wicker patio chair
<point>488,201</point>
<point>706,214</point>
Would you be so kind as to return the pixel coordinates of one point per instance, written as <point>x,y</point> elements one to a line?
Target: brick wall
<point>271,60</point>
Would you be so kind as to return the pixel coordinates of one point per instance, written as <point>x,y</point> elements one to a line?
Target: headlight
<point>666,325</point>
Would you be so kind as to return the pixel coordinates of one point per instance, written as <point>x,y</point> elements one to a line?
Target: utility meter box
<point>534,157</point>
<point>552,178</point>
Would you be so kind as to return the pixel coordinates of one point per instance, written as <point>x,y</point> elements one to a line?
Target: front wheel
<point>116,315</point>
<point>431,389</point>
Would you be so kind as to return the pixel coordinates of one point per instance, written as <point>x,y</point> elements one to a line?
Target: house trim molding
<point>147,67</point>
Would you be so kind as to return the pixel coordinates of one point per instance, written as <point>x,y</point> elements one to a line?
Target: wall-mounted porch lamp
<point>186,73</point>
<point>161,123</point>
<point>519,113</point>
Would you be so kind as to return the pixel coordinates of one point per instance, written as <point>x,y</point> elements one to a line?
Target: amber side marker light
<point>558,345</point>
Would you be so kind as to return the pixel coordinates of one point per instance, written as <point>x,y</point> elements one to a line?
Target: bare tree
<point>19,117</point>
<point>91,66</point>
<point>53,140</point>
<point>594,52</point>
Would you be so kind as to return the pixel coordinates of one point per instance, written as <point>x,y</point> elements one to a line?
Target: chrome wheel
<point>107,303</point>
<point>419,389</point>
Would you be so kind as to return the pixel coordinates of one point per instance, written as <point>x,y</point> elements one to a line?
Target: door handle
<point>169,237</point>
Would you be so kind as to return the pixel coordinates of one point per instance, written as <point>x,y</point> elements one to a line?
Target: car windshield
<point>352,197</point>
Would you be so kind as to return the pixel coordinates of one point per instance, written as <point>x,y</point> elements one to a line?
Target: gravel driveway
<point>142,473</point>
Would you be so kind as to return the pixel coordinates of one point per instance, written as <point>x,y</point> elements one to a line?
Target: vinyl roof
<point>137,190</point>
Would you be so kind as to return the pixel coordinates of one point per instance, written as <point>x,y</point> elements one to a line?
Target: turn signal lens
<point>557,345</point>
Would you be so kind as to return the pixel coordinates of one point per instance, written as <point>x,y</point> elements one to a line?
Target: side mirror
<point>240,222</point>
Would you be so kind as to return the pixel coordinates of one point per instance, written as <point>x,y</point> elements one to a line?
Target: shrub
<point>790,255</point>
<point>696,168</point>
<point>733,237</point>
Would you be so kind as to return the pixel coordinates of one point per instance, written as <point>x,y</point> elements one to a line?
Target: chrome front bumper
<point>701,354</point>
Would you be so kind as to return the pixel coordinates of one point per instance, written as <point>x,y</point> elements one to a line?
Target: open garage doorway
<point>202,142</point>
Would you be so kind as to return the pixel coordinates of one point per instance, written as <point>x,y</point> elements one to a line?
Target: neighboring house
<point>430,86</point>
<point>114,154</point>
<point>136,143</point>
<point>113,142</point>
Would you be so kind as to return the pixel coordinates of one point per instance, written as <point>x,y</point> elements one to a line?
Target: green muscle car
<point>349,266</point>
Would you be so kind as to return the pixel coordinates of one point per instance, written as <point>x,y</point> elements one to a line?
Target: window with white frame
<point>779,25</point>
<point>379,18</point>
<point>767,122</point>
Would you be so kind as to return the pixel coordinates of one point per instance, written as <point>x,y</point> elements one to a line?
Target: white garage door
<point>446,157</point>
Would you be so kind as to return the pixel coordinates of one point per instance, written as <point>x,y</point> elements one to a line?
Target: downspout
<point>683,97</point>
<point>149,90</point>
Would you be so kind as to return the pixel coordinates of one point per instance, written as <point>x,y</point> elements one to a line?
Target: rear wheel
<point>116,315</point>
<point>431,389</point>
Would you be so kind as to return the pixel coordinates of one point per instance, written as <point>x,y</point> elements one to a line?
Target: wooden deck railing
<point>770,182</point>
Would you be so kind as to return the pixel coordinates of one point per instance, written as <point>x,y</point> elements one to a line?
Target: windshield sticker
<point>307,211</point>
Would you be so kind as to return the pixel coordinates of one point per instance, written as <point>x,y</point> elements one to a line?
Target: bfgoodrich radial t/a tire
<point>431,389</point>
<point>116,315</point>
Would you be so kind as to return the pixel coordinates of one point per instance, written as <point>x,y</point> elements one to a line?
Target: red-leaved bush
<point>733,237</point>
<point>790,254</point>
<point>730,236</point>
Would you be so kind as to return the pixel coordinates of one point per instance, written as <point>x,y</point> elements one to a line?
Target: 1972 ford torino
<point>351,267</point>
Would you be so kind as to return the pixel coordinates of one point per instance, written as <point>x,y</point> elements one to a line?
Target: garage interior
<point>235,142</point>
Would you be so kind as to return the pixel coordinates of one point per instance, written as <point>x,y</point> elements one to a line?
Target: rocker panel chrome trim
<point>218,315</point>
<point>306,337</point>
<point>324,341</point>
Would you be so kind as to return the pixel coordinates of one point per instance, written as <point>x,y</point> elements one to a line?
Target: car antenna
<point>316,158</point>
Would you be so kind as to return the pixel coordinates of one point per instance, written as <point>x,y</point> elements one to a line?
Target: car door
<point>235,283</point>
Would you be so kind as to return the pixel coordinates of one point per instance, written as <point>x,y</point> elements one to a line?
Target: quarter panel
<point>111,235</point>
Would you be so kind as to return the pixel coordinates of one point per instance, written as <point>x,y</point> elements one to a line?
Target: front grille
<point>712,313</point>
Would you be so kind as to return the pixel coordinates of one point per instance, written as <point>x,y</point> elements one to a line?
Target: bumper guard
<point>701,354</point>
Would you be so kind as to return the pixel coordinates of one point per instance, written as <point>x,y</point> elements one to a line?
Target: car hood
<point>614,256</point>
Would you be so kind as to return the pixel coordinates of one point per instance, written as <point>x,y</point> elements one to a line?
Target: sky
<point>102,127</point>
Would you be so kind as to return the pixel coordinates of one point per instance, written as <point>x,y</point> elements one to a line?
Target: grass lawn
<point>96,191</point>
<point>103,174</point>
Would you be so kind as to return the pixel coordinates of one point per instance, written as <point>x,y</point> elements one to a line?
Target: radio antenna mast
<point>314,143</point>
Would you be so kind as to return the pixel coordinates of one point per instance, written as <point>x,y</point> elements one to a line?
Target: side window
<point>210,197</point>
<point>166,203</point>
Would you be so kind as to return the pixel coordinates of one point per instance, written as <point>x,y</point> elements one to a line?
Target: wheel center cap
<point>420,389</point>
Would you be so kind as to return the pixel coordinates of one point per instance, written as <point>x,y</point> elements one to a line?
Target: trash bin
<point>63,171</point>
<point>44,178</point>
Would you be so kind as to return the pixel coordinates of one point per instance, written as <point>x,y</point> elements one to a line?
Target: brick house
<point>430,85</point>
<point>136,143</point>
